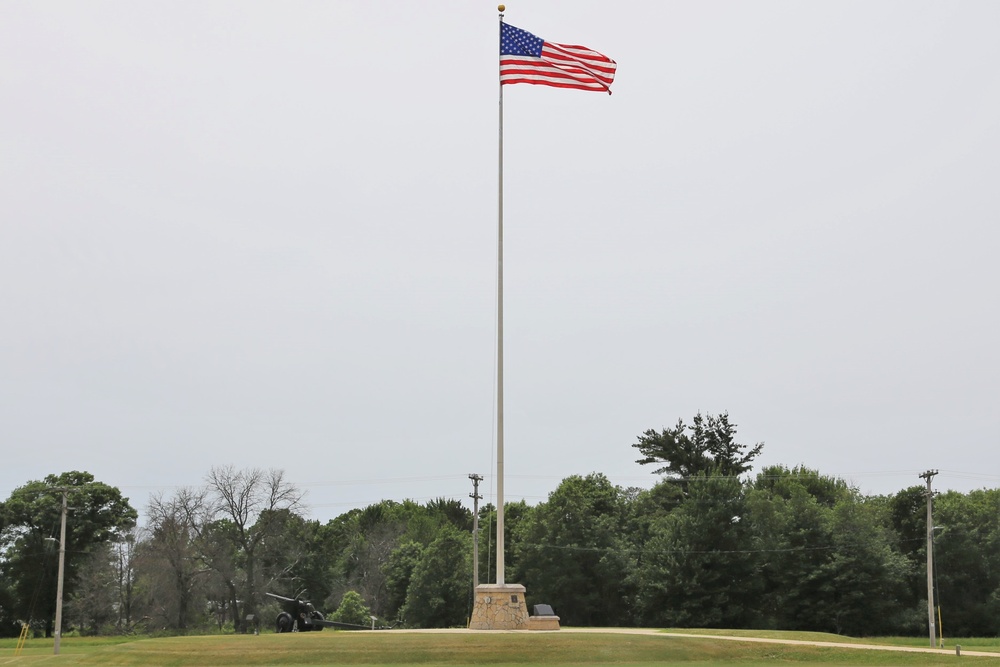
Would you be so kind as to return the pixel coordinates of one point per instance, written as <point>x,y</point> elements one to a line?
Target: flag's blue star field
<point>517,42</point>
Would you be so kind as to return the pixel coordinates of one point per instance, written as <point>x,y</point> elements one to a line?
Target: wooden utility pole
<point>476,479</point>
<point>62,570</point>
<point>929,475</point>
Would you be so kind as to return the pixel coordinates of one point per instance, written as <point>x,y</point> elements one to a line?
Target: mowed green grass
<point>456,648</point>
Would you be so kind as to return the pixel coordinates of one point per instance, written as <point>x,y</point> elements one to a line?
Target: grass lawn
<point>455,648</point>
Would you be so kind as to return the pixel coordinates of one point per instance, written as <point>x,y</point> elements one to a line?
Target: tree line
<point>708,545</point>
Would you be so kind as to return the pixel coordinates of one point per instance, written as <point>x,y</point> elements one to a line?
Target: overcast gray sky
<point>264,233</point>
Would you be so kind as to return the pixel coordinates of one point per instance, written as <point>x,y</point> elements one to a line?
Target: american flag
<point>525,58</point>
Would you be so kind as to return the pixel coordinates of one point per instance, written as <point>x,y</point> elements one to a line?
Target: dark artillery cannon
<point>299,615</point>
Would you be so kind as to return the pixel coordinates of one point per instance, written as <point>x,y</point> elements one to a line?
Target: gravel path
<point>799,642</point>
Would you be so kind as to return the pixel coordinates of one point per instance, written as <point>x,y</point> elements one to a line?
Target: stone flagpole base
<point>499,607</point>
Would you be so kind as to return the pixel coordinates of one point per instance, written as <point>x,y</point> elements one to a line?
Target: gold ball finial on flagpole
<point>500,8</point>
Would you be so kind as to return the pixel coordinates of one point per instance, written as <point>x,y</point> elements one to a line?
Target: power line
<point>655,479</point>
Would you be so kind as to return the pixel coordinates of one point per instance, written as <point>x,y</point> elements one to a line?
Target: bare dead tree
<point>254,502</point>
<point>176,530</point>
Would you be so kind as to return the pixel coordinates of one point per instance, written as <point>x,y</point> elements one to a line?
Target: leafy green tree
<point>449,510</point>
<point>515,513</point>
<point>707,446</point>
<point>352,610</point>
<point>366,539</point>
<point>791,514</point>
<point>781,482</point>
<point>829,556</point>
<point>283,551</point>
<point>646,506</point>
<point>440,588</point>
<point>569,552</point>
<point>9,627</point>
<point>313,569</point>
<point>398,572</point>
<point>907,513</point>
<point>30,520</point>
<point>967,562</point>
<point>699,568</point>
<point>864,579</point>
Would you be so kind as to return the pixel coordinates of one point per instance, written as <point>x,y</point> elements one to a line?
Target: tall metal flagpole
<point>500,546</point>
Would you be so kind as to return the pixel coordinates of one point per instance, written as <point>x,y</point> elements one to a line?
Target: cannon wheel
<point>283,623</point>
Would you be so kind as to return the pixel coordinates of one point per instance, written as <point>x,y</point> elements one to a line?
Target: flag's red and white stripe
<point>562,66</point>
